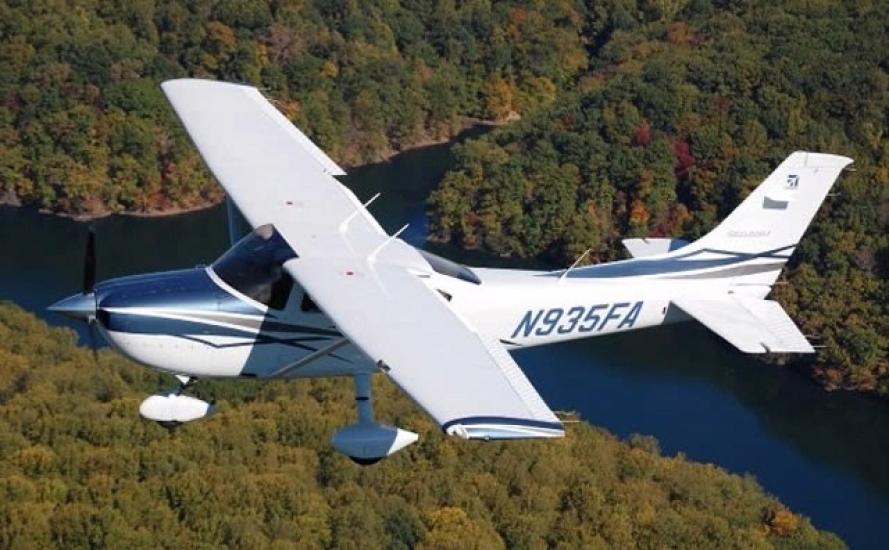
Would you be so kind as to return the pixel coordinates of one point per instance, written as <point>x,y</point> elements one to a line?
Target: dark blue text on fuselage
<point>595,318</point>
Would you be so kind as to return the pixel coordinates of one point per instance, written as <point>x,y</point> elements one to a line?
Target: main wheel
<point>365,461</point>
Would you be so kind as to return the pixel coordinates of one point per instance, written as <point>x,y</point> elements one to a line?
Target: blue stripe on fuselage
<point>139,323</point>
<point>665,266</point>
<point>187,289</point>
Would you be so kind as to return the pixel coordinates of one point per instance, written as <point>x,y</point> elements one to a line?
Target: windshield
<point>253,267</point>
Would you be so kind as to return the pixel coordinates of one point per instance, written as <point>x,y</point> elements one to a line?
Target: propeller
<point>83,306</point>
<point>89,263</point>
<point>89,288</point>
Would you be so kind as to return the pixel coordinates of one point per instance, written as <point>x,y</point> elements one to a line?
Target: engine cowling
<point>368,442</point>
<point>172,409</point>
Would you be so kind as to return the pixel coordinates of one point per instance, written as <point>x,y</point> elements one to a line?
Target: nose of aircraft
<point>78,306</point>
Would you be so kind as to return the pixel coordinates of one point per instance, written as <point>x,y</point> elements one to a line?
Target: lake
<point>826,455</point>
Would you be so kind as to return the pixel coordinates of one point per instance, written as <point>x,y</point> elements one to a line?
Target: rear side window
<point>449,268</point>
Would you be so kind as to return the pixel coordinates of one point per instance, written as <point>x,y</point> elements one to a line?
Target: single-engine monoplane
<point>318,288</point>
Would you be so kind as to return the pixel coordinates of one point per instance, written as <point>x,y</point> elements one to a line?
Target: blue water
<point>826,455</point>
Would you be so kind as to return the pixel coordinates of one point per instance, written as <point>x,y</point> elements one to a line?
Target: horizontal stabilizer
<point>639,248</point>
<point>751,325</point>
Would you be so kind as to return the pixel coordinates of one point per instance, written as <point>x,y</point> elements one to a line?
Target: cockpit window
<point>449,268</point>
<point>254,267</point>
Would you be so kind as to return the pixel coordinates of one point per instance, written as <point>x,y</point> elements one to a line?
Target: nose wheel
<point>172,408</point>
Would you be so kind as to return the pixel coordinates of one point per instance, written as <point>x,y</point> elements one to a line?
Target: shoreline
<point>9,199</point>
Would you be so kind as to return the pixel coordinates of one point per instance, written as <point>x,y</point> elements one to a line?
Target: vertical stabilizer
<point>768,225</point>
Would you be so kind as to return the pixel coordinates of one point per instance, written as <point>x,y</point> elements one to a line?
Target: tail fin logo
<point>792,181</point>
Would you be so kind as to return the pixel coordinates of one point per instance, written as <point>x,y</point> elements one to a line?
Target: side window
<point>449,268</point>
<point>280,292</point>
<point>254,267</point>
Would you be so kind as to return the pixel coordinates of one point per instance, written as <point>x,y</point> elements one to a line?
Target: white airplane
<point>318,288</point>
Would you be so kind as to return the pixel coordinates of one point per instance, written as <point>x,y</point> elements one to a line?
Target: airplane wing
<point>751,325</point>
<point>373,286</point>
<point>468,383</point>
<point>270,169</point>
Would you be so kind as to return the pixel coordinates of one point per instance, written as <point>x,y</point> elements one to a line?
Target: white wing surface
<point>469,384</point>
<point>270,169</point>
<point>751,325</point>
<point>371,285</point>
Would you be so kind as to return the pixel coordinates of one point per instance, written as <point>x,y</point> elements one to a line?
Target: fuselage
<point>191,322</point>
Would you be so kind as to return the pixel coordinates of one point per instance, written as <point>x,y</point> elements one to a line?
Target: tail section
<point>745,253</point>
<point>749,324</point>
<point>751,246</point>
<point>763,231</point>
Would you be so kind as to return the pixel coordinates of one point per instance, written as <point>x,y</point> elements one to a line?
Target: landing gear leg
<point>363,401</point>
<point>366,441</point>
<point>185,382</point>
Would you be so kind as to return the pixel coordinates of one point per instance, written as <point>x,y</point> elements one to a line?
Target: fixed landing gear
<point>367,442</point>
<point>171,408</point>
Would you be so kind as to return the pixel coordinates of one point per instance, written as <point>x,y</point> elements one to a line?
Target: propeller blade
<point>89,263</point>
<point>93,342</point>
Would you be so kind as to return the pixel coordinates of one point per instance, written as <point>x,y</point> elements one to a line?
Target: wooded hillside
<point>84,127</point>
<point>79,468</point>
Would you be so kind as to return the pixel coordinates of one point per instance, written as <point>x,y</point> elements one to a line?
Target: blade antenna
<point>372,257</point>
<point>345,223</point>
<point>577,261</point>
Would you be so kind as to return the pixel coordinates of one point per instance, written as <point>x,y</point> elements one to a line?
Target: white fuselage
<point>518,308</point>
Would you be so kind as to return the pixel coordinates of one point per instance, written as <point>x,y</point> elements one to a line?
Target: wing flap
<point>467,383</point>
<point>751,325</point>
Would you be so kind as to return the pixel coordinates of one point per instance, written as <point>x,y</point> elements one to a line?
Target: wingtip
<point>820,160</point>
<point>495,428</point>
<point>174,84</point>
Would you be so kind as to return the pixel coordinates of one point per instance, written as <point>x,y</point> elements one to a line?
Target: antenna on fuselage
<point>577,261</point>
<point>345,223</point>
<point>372,257</point>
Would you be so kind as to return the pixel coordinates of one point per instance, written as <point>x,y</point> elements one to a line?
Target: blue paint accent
<point>193,291</point>
<point>505,420</point>
<point>293,343</point>
<point>149,324</point>
<point>192,330</point>
<point>190,289</point>
<point>680,263</point>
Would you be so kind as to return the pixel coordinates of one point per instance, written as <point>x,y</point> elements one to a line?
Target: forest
<point>85,129</point>
<point>679,114</point>
<point>79,468</point>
